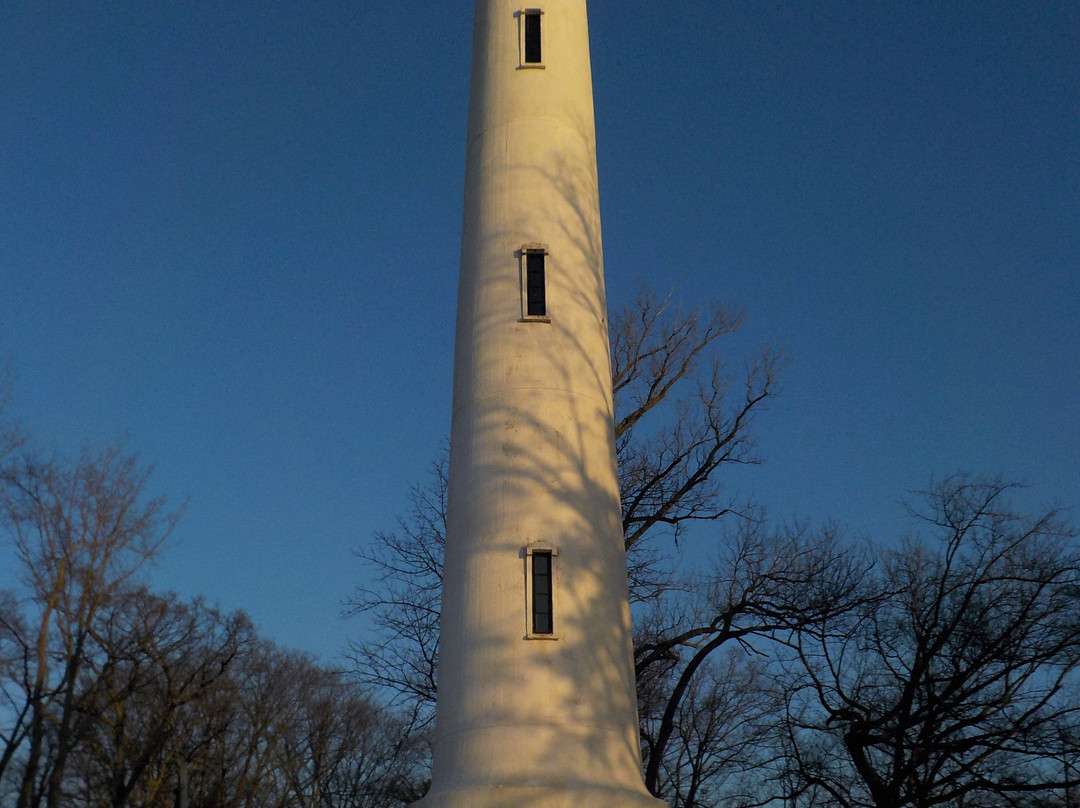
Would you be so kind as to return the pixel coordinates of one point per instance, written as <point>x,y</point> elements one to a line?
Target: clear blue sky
<point>229,233</point>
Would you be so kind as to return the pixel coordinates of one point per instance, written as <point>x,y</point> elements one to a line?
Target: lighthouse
<point>536,703</point>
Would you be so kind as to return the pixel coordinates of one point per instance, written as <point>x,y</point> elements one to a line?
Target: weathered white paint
<point>544,723</point>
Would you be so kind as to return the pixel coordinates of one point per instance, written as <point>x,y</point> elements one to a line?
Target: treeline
<point>778,667</point>
<point>113,695</point>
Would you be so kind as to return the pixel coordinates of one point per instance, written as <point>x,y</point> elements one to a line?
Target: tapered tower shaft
<point>536,701</point>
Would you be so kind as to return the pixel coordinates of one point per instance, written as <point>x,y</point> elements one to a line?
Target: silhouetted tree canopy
<point>789,667</point>
<point>960,685</point>
<point>113,695</point>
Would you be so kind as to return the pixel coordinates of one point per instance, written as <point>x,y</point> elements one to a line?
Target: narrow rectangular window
<point>535,285</point>
<point>542,589</point>
<point>532,38</point>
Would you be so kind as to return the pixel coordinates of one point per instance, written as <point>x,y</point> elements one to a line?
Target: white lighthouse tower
<point>536,702</point>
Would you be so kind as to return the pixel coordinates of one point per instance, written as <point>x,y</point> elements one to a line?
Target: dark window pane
<point>542,624</point>
<point>532,39</point>
<point>535,295</point>
<point>541,594</point>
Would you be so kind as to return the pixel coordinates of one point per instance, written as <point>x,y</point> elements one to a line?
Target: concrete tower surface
<point>536,703</point>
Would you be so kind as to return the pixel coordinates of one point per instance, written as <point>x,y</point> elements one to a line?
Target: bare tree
<point>112,695</point>
<point>286,732</point>
<point>961,687</point>
<point>680,414</point>
<point>79,534</point>
<point>344,751</point>
<point>159,656</point>
<point>399,654</point>
<point>720,733</point>
<point>694,641</point>
<point>15,657</point>
<point>11,438</point>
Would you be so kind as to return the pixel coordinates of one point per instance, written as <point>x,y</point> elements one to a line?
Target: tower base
<point>539,796</point>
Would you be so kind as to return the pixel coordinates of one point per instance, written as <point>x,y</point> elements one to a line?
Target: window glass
<point>542,619</point>
<point>535,292</point>
<point>532,38</point>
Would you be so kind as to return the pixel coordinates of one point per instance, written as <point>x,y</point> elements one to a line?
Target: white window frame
<point>521,15</point>
<point>530,550</point>
<point>523,272</point>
